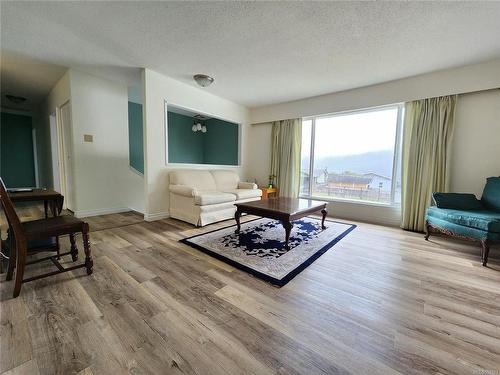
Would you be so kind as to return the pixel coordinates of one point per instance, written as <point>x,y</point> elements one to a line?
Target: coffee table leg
<point>323,212</point>
<point>237,216</point>
<point>288,229</point>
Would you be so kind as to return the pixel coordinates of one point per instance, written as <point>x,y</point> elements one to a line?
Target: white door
<point>67,156</point>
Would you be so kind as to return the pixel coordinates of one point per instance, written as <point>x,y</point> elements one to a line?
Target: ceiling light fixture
<point>198,125</point>
<point>203,80</point>
<point>15,99</point>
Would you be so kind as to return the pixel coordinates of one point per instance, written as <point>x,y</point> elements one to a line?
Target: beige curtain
<point>428,130</point>
<point>285,156</point>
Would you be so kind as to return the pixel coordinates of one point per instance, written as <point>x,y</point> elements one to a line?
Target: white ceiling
<point>259,52</point>
<point>26,77</point>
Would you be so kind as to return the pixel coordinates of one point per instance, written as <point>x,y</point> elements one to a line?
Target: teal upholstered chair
<point>464,216</point>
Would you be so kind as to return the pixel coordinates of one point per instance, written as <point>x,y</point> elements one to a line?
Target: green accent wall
<point>17,165</point>
<point>221,142</point>
<point>135,137</point>
<point>218,146</point>
<point>184,145</point>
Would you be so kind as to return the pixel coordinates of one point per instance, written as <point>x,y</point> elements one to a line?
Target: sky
<point>351,134</point>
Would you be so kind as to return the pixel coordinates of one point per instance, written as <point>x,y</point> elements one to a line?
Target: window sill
<point>353,201</point>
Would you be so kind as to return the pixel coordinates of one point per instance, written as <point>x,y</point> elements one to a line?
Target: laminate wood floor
<point>381,301</point>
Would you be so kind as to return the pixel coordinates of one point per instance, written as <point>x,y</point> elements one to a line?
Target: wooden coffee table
<point>284,209</point>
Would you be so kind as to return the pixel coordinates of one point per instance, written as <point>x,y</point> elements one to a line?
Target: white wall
<point>258,165</point>
<point>476,141</point>
<point>157,90</point>
<point>104,182</point>
<point>452,81</point>
<point>477,128</point>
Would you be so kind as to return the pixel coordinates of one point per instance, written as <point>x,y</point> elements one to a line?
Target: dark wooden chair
<point>21,234</point>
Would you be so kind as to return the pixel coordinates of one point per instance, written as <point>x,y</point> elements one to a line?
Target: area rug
<point>259,247</point>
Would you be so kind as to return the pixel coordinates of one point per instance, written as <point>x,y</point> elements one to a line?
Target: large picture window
<point>352,156</point>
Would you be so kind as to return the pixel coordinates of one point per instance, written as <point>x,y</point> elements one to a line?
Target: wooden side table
<point>267,192</point>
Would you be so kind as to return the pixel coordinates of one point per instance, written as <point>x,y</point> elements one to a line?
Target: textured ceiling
<point>259,52</point>
<point>26,77</point>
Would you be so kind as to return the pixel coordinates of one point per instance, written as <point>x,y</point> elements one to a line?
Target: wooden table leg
<point>59,205</point>
<point>237,216</point>
<point>288,229</point>
<point>53,208</point>
<point>89,263</point>
<point>323,212</point>
<point>45,207</point>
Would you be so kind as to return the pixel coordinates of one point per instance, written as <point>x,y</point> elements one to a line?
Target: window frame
<point>395,161</point>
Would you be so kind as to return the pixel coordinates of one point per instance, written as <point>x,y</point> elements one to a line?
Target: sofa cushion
<point>203,198</point>
<point>225,180</point>
<point>457,201</point>
<point>245,193</point>
<point>491,193</point>
<point>479,219</point>
<point>198,179</point>
<point>247,185</point>
<point>216,207</point>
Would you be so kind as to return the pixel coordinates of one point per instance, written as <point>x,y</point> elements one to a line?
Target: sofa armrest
<point>183,190</point>
<point>457,201</point>
<point>247,185</point>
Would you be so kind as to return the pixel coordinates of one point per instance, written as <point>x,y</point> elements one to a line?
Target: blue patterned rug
<point>259,247</point>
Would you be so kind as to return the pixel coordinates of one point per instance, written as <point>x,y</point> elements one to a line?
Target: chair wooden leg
<point>12,258</point>
<point>485,251</point>
<point>427,230</point>
<point>89,263</point>
<point>20,264</point>
<point>74,249</point>
<point>58,248</point>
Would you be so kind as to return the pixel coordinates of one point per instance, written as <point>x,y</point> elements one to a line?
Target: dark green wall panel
<point>17,166</point>
<point>184,145</point>
<point>135,134</point>
<point>221,142</point>
<point>219,145</point>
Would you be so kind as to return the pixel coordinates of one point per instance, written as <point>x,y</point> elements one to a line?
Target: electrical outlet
<point>88,138</point>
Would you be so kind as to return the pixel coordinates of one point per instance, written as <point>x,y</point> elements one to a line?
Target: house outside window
<point>353,156</point>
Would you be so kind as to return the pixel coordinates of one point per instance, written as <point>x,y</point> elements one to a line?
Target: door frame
<point>54,151</point>
<point>35,155</point>
<point>65,156</point>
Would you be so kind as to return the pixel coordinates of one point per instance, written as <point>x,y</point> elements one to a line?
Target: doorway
<point>54,150</point>
<point>17,158</point>
<point>62,154</point>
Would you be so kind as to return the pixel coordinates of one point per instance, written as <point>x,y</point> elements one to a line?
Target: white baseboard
<point>157,216</point>
<point>103,211</point>
<point>138,210</point>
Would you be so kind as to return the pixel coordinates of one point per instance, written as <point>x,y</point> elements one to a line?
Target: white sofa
<point>201,197</point>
